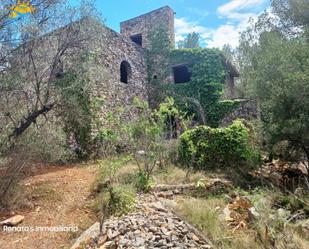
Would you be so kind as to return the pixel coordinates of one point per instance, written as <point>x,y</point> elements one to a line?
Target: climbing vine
<point>79,109</point>
<point>206,85</point>
<point>201,96</point>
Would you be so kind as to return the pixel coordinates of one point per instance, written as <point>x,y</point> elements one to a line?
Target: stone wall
<point>144,24</point>
<point>229,87</point>
<point>247,110</point>
<point>111,50</point>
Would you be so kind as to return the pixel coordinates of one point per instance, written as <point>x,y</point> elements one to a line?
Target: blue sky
<point>218,21</point>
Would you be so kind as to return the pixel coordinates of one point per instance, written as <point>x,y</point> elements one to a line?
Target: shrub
<point>205,147</point>
<point>122,201</point>
<point>46,144</point>
<point>146,133</point>
<point>144,182</point>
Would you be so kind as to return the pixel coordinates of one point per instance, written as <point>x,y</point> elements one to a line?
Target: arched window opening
<point>125,72</point>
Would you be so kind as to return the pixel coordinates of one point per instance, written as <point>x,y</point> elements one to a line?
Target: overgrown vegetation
<point>191,41</point>
<point>269,228</point>
<point>49,115</point>
<point>201,96</point>
<point>210,148</point>
<point>273,56</point>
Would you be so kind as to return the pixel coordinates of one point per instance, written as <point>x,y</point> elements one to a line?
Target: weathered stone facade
<point>143,25</point>
<point>120,55</point>
<point>229,87</point>
<point>115,57</point>
<point>112,52</point>
<point>119,60</point>
<point>246,110</point>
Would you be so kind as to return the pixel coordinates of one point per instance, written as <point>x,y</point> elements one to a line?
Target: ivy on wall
<point>201,95</point>
<point>205,87</point>
<point>205,64</point>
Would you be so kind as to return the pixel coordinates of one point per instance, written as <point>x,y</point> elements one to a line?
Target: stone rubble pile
<point>150,226</point>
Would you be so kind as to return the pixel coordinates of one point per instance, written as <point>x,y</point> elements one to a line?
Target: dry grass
<point>175,175</point>
<point>205,215</point>
<point>45,191</point>
<point>127,175</point>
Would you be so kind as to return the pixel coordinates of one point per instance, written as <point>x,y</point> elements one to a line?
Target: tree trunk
<point>306,151</point>
<point>31,118</point>
<point>199,108</point>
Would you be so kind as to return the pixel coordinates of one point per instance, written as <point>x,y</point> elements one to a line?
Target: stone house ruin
<point>138,31</point>
<point>121,57</point>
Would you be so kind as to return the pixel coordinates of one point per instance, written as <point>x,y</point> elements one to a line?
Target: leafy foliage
<point>116,200</point>
<point>200,96</point>
<point>191,41</point>
<point>79,110</point>
<point>157,64</point>
<point>275,72</point>
<point>144,182</point>
<point>208,148</point>
<point>29,73</point>
<point>143,137</point>
<point>157,55</point>
<point>146,133</point>
<point>206,85</point>
<point>122,201</point>
<point>174,119</point>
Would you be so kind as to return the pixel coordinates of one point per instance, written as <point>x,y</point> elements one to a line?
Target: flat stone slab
<point>91,233</point>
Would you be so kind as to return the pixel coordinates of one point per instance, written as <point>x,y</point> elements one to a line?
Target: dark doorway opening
<point>181,74</point>
<point>125,72</point>
<point>138,39</point>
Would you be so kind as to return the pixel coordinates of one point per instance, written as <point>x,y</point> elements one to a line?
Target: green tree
<point>28,73</point>
<point>292,13</point>
<point>191,41</point>
<point>275,71</point>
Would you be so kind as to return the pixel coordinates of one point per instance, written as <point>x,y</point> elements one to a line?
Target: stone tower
<point>139,28</point>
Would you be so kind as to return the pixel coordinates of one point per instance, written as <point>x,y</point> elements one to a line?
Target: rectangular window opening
<point>181,74</point>
<point>138,39</point>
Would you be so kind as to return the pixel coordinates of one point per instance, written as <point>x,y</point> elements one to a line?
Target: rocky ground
<point>151,225</point>
<point>56,199</point>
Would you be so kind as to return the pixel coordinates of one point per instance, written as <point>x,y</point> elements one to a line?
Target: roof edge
<point>148,13</point>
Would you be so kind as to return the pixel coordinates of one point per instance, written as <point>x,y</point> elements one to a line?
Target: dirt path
<point>60,199</point>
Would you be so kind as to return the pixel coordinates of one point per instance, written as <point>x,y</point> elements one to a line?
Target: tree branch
<point>25,123</point>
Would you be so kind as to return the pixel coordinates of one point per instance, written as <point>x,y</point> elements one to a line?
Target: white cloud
<point>184,27</point>
<point>233,8</point>
<point>223,35</point>
<point>237,14</point>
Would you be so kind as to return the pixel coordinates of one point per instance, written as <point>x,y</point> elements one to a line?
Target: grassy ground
<point>75,194</point>
<point>206,215</point>
<point>269,230</point>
